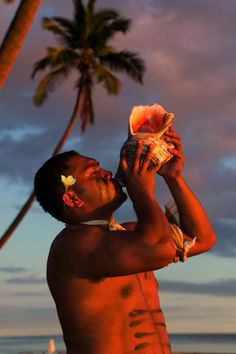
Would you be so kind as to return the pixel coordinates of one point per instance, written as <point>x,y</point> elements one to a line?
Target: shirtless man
<point>102,281</point>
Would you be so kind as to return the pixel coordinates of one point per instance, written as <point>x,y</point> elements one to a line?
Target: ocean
<point>198,343</point>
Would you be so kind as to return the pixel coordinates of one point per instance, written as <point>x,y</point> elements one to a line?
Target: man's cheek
<point>99,188</point>
<point>107,191</point>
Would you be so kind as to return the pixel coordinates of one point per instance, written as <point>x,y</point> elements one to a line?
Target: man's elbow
<point>160,253</point>
<point>166,255</point>
<point>212,239</point>
<point>209,241</point>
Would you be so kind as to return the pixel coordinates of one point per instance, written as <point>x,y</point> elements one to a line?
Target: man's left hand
<point>173,168</point>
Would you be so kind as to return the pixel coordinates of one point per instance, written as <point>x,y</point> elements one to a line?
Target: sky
<point>189,48</point>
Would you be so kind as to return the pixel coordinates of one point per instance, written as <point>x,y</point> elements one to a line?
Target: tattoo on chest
<point>138,312</point>
<point>141,346</point>
<point>126,291</point>
<point>139,317</point>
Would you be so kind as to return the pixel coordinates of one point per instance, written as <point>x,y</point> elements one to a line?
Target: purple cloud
<point>12,270</point>
<point>216,288</point>
<point>29,279</point>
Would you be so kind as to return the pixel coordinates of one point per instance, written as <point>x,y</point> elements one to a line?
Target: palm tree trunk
<point>15,36</point>
<point>31,198</point>
<point>70,126</point>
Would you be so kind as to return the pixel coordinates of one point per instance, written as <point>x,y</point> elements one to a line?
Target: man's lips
<point>116,183</point>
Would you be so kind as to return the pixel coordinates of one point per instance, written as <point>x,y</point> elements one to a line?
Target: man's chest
<point>138,290</point>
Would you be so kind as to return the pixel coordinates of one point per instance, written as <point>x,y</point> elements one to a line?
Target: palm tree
<point>84,49</point>
<point>15,35</point>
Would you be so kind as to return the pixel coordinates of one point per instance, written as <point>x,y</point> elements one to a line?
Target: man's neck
<point>92,220</point>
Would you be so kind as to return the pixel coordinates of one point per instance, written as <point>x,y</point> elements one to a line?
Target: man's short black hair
<point>48,187</point>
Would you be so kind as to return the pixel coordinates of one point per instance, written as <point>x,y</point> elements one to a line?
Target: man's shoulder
<point>74,240</point>
<point>72,247</point>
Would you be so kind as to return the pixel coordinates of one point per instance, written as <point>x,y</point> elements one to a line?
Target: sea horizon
<point>180,343</point>
<point>170,334</point>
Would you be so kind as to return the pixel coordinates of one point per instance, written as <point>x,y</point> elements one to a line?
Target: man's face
<point>98,189</point>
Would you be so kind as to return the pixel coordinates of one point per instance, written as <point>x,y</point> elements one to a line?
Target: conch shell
<point>147,123</point>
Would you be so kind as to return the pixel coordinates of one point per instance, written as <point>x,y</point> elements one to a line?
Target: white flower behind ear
<point>68,181</point>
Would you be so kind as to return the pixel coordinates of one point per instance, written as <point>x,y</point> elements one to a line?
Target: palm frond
<point>104,50</point>
<point>108,80</point>
<point>76,33</point>
<point>119,25</point>
<point>79,12</point>
<point>125,61</point>
<point>73,37</point>
<point>63,56</point>
<point>51,25</point>
<point>40,65</point>
<point>100,37</point>
<point>91,7</point>
<point>106,15</point>
<point>102,18</point>
<point>80,21</point>
<point>89,17</point>
<point>56,58</point>
<point>48,84</point>
<point>66,24</point>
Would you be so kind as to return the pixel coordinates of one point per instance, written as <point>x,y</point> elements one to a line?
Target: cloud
<point>226,240</point>
<point>31,294</point>
<point>21,321</point>
<point>216,288</point>
<point>29,279</point>
<point>19,134</point>
<point>12,270</point>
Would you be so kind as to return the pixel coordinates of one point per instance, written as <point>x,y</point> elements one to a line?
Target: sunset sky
<point>189,48</point>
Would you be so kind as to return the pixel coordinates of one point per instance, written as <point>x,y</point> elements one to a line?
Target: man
<point>102,281</point>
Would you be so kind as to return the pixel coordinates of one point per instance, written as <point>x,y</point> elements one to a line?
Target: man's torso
<point>119,315</point>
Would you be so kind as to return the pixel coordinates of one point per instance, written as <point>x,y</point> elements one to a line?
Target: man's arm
<point>140,185</point>
<point>193,219</point>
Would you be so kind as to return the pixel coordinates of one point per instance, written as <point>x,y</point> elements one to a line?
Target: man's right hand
<point>139,178</point>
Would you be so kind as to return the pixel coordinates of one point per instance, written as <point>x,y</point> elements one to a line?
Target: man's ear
<point>71,199</point>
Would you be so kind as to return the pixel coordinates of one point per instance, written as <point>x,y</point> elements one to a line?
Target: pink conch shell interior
<point>149,119</point>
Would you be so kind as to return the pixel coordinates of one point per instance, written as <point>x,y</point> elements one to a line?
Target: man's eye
<point>95,173</point>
